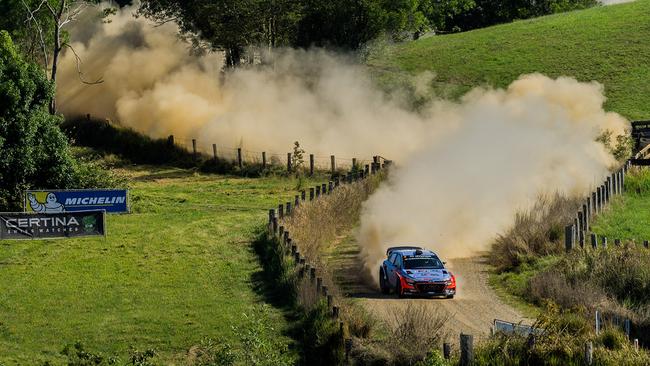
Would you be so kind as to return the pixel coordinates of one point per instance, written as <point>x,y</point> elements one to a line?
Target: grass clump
<point>536,232</point>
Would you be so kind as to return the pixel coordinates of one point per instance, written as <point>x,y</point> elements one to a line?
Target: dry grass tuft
<point>536,232</point>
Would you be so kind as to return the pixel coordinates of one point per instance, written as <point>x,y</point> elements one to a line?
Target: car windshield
<point>423,263</point>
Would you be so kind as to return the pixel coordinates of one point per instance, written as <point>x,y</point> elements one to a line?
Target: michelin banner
<point>54,201</point>
<point>20,225</point>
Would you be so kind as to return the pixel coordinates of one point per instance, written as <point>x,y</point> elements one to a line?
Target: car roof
<point>412,252</point>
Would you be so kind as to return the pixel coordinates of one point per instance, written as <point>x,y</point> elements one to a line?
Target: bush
<point>321,337</point>
<point>33,151</point>
<point>414,331</point>
<point>536,232</point>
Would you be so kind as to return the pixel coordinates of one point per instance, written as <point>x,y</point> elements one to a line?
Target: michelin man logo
<point>51,205</point>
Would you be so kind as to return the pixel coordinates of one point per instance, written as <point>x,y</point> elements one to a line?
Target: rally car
<point>415,271</point>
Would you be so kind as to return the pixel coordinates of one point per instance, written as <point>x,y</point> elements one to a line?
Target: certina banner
<point>20,225</point>
<point>110,200</point>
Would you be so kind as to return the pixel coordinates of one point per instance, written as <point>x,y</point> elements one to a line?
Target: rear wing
<point>392,249</point>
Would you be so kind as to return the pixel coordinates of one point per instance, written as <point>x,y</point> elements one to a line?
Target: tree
<point>228,25</point>
<point>33,151</point>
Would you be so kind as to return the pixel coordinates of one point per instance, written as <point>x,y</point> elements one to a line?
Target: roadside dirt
<point>472,311</point>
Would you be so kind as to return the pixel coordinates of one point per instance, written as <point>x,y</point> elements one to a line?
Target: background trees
<point>234,25</point>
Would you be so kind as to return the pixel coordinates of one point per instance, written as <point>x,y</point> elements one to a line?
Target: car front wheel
<point>382,283</point>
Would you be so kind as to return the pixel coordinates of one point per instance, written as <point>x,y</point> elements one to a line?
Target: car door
<point>395,267</point>
<point>388,267</point>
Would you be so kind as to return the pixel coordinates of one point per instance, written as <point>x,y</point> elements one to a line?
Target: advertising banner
<point>20,225</point>
<point>54,201</point>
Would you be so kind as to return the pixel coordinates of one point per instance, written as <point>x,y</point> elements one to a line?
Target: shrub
<point>321,337</point>
<point>33,151</point>
<point>414,331</point>
<point>536,232</point>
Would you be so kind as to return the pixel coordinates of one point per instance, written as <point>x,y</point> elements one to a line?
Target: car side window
<point>398,261</point>
<point>391,259</point>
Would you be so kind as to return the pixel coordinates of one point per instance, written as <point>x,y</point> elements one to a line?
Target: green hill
<point>609,44</point>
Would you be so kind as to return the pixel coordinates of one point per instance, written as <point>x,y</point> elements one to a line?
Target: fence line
<point>310,161</point>
<point>282,238</point>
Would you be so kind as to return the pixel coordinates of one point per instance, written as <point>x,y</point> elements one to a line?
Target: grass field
<point>607,44</point>
<point>176,270</point>
<point>628,215</point>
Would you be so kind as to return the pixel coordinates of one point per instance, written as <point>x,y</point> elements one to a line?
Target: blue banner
<point>56,201</point>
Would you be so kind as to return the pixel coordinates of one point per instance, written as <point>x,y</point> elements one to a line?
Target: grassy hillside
<point>175,271</point>
<point>606,44</point>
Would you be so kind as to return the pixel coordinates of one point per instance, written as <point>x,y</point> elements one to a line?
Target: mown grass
<point>606,44</point>
<point>628,215</point>
<point>176,270</point>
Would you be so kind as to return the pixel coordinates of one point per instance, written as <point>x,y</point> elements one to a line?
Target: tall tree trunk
<point>233,56</point>
<point>57,50</point>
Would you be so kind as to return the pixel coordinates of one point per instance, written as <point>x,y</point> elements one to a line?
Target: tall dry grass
<point>314,227</point>
<point>536,232</point>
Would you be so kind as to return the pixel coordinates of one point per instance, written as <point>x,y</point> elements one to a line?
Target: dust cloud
<point>463,168</point>
<point>538,136</point>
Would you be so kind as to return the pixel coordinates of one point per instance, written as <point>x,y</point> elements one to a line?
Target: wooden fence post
<point>585,213</point>
<point>589,353</point>
<point>367,171</point>
<point>594,241</point>
<point>319,284</point>
<point>599,200</point>
<point>214,151</point>
<point>581,223</point>
<point>597,322</point>
<point>280,211</point>
<point>466,349</point>
<point>289,162</point>
<point>354,163</point>
<point>311,164</point>
<point>311,193</point>
<point>627,325</point>
<point>617,242</point>
<point>446,350</point>
<point>569,238</point>
<point>333,163</point>
<point>303,195</point>
<point>285,238</point>
<point>275,225</point>
<point>317,191</point>
<point>194,156</point>
<point>263,159</point>
<point>323,188</point>
<point>335,312</point>
<point>240,161</point>
<point>324,291</point>
<point>331,187</point>
<point>608,189</point>
<point>594,208</point>
<point>288,208</point>
<point>281,231</point>
<point>604,242</point>
<point>296,201</point>
<point>646,244</point>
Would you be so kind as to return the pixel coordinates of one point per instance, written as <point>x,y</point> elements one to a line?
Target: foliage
<point>621,149</point>
<point>33,151</point>
<point>562,342</point>
<point>535,232</point>
<point>321,337</point>
<point>297,158</point>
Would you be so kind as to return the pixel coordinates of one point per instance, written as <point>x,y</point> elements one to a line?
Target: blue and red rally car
<point>415,271</point>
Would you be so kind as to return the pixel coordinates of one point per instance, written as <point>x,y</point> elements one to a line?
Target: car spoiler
<point>391,249</point>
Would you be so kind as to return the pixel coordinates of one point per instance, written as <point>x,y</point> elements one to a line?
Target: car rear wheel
<point>450,296</point>
<point>398,289</point>
<point>382,283</point>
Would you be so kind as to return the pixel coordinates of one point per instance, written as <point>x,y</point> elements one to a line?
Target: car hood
<point>427,274</point>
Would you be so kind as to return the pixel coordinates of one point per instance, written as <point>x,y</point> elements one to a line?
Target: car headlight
<point>448,282</point>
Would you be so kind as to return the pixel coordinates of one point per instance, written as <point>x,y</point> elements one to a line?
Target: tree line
<point>234,25</point>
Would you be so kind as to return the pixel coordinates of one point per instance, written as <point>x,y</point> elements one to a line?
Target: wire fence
<point>246,157</point>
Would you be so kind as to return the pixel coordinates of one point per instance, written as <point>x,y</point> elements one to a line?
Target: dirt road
<point>472,311</point>
<point>474,308</point>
